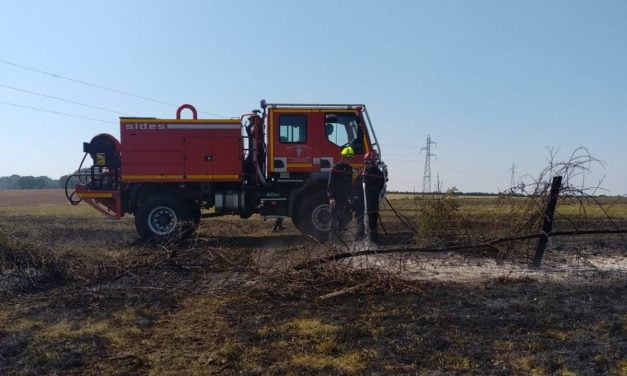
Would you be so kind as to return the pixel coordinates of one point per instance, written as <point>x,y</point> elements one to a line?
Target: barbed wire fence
<point>505,228</point>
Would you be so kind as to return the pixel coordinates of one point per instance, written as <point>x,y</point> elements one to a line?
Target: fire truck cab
<point>274,162</point>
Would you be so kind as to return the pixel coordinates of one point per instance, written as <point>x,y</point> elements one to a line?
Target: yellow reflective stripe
<point>213,177</point>
<point>95,195</point>
<point>199,177</point>
<point>299,165</point>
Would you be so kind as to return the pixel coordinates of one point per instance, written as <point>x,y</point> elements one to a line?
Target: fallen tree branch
<point>490,245</point>
<point>343,291</point>
<point>587,232</point>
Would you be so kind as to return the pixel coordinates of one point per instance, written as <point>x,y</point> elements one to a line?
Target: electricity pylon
<point>426,179</point>
<point>512,184</point>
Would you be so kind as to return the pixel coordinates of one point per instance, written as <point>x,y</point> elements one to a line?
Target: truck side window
<point>344,130</point>
<point>293,129</point>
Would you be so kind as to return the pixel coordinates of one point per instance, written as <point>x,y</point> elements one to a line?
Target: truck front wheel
<point>163,218</point>
<point>313,216</point>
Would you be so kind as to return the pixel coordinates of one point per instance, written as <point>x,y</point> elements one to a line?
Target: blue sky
<point>493,82</point>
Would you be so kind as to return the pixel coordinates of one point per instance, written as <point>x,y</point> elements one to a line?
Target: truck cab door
<point>294,139</point>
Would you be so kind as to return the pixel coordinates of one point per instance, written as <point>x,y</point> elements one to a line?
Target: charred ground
<point>81,296</point>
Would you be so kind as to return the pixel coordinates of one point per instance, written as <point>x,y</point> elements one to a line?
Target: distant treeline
<point>31,182</point>
<point>454,192</point>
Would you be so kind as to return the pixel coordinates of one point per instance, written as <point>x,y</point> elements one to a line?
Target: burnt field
<point>81,295</point>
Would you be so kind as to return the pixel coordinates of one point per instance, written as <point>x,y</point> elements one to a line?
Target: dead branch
<point>343,291</point>
<point>490,245</point>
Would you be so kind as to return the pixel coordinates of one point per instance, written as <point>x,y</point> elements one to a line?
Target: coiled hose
<point>70,196</point>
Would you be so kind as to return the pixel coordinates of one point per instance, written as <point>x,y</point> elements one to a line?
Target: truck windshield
<point>344,130</point>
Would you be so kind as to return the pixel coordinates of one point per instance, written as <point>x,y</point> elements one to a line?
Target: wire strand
<point>63,100</point>
<point>59,76</point>
<point>57,112</point>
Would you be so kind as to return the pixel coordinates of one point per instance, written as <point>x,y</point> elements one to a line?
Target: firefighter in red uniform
<point>339,191</point>
<point>368,185</point>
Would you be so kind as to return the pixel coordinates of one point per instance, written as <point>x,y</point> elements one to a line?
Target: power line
<point>56,75</point>
<point>461,164</point>
<point>400,146</point>
<point>63,100</point>
<point>57,112</point>
<point>401,160</point>
<point>453,169</point>
<point>401,155</point>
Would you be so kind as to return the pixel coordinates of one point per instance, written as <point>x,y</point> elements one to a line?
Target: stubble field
<point>81,295</point>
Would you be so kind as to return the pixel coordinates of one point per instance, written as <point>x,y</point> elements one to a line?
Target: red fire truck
<point>274,162</point>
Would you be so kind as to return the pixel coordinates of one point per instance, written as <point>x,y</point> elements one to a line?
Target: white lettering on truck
<point>144,126</point>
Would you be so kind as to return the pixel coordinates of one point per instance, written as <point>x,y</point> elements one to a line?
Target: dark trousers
<point>338,216</point>
<point>373,216</point>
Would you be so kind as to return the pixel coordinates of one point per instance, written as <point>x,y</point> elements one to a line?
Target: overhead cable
<point>56,75</point>
<point>439,162</point>
<point>63,100</point>
<point>401,146</point>
<point>57,112</point>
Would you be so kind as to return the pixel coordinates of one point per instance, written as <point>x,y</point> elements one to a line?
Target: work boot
<point>359,235</point>
<point>278,225</point>
<point>334,235</point>
<point>373,237</point>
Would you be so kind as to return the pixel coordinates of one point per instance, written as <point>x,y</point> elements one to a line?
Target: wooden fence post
<point>547,225</point>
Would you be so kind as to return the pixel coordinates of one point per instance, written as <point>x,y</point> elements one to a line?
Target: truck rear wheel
<point>313,216</point>
<point>164,218</point>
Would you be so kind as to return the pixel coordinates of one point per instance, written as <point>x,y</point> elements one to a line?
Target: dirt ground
<point>561,266</point>
<point>30,197</point>
<point>80,295</point>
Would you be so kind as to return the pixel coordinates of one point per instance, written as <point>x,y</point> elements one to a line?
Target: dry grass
<point>489,205</point>
<point>80,296</point>
<point>32,197</point>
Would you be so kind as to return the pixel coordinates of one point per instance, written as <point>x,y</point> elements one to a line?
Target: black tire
<point>313,216</point>
<point>164,218</point>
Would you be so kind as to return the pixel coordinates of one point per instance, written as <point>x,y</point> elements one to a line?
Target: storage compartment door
<point>227,159</point>
<point>198,158</point>
<point>213,158</point>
